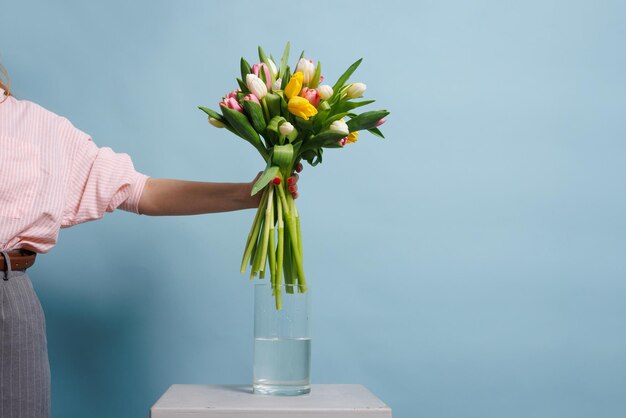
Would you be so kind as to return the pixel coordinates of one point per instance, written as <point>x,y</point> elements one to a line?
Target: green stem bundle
<point>275,240</point>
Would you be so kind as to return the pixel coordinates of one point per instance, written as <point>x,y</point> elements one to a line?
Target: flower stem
<point>279,252</point>
<point>272,245</point>
<point>292,229</point>
<point>269,226</point>
<point>266,111</point>
<point>294,212</point>
<point>288,264</point>
<point>301,283</point>
<point>260,262</point>
<point>254,232</point>
<point>255,261</point>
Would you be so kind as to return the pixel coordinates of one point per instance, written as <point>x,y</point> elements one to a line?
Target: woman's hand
<point>292,184</point>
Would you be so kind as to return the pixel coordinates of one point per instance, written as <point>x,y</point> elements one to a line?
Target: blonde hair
<point>5,86</point>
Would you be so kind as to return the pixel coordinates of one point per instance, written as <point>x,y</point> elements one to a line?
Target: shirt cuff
<point>131,204</point>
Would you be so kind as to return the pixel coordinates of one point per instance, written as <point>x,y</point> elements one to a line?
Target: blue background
<point>472,264</point>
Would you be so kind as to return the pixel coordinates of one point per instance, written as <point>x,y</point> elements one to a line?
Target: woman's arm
<point>162,197</point>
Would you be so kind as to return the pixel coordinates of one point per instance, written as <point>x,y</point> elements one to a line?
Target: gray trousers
<point>24,367</point>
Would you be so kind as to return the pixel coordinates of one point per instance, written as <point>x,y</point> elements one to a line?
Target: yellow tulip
<point>301,107</point>
<point>352,137</point>
<point>295,85</point>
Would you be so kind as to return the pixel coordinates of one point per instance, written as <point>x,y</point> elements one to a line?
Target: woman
<point>53,176</point>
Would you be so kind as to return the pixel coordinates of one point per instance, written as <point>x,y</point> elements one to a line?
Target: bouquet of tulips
<point>288,117</point>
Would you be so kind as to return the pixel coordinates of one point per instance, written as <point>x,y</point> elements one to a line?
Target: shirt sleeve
<point>100,180</point>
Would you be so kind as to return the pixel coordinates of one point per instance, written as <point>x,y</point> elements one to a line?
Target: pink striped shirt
<point>53,176</point>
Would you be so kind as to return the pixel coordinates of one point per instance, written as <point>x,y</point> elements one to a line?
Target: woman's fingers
<point>293,186</point>
<point>293,179</point>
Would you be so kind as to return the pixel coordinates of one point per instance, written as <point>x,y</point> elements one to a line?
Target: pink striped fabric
<point>53,176</point>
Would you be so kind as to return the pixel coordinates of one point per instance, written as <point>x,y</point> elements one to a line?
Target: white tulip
<point>285,129</point>
<point>273,69</point>
<point>340,126</point>
<point>256,86</point>
<point>216,122</point>
<point>356,90</point>
<point>325,91</point>
<point>277,84</point>
<point>307,68</point>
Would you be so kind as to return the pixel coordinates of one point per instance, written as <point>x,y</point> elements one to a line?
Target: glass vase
<point>282,341</point>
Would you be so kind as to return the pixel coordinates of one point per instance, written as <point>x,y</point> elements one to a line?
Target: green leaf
<point>219,117</point>
<point>376,132</point>
<point>282,156</point>
<point>304,125</point>
<point>255,113</point>
<point>285,78</point>
<point>334,118</point>
<point>243,87</point>
<point>245,68</point>
<point>296,149</point>
<point>274,126</point>
<point>263,57</point>
<point>345,76</point>
<point>367,120</point>
<point>263,77</point>
<point>283,61</point>
<point>268,175</point>
<point>293,135</point>
<point>274,123</point>
<point>273,103</point>
<point>284,108</point>
<point>319,157</point>
<point>345,106</point>
<point>315,81</point>
<point>320,119</point>
<point>333,145</point>
<point>321,139</point>
<point>240,124</point>
<point>212,113</point>
<point>313,157</point>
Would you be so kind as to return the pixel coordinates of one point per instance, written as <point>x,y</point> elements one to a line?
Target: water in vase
<point>282,365</point>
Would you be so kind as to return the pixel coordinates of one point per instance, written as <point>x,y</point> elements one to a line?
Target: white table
<point>238,401</point>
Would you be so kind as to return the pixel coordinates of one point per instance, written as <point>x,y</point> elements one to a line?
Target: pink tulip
<point>232,94</point>
<point>253,98</point>
<point>312,95</point>
<point>256,69</point>
<point>231,103</point>
<point>380,122</point>
<point>343,141</point>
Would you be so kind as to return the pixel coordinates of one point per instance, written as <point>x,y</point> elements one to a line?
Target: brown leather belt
<point>20,260</point>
